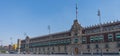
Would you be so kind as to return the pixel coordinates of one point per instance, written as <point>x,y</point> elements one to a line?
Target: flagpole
<point>76,11</point>
<point>72,49</point>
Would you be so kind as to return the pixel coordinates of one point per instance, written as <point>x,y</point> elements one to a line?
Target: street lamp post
<point>91,52</point>
<point>100,28</point>
<point>11,39</point>
<point>49,39</point>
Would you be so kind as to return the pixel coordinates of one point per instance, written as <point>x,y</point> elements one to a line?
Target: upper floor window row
<point>99,38</point>
<point>114,27</point>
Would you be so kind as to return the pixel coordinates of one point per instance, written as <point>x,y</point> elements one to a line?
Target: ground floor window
<point>106,46</point>
<point>118,44</point>
<point>65,48</point>
<point>107,50</point>
<point>53,48</point>
<point>88,50</point>
<point>96,46</point>
<point>58,48</point>
<point>88,46</point>
<point>97,50</point>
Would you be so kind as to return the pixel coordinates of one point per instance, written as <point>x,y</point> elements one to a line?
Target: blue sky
<point>33,16</point>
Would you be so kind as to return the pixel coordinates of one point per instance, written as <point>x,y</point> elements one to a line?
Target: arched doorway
<point>76,50</point>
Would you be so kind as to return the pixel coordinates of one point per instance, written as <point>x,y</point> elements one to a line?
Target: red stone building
<point>77,40</point>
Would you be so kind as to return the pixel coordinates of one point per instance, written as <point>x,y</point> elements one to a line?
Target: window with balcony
<point>110,37</point>
<point>76,40</point>
<point>117,36</point>
<point>83,40</point>
<point>91,39</point>
<point>96,38</point>
<point>101,38</point>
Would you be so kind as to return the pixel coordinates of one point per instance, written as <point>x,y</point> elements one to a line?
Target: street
<point>48,55</point>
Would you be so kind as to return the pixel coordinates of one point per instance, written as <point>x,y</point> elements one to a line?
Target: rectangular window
<point>53,49</point>
<point>88,46</point>
<point>48,48</point>
<point>43,49</point>
<point>96,38</point>
<point>101,38</point>
<point>76,40</point>
<point>59,48</point>
<point>83,40</point>
<point>39,49</point>
<point>118,44</point>
<point>110,37</point>
<point>30,49</point>
<point>65,48</point>
<point>117,36</point>
<point>91,39</point>
<point>96,46</point>
<point>106,46</point>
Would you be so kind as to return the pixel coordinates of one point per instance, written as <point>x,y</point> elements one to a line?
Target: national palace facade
<point>77,40</point>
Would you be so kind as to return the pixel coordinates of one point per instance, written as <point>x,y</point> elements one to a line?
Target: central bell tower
<point>76,38</point>
<point>76,32</point>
